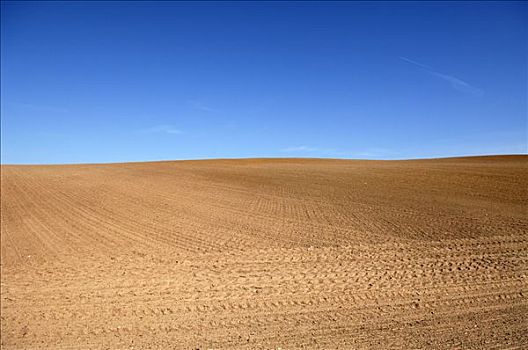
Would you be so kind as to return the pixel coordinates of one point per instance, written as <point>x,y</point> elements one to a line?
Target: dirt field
<point>266,253</point>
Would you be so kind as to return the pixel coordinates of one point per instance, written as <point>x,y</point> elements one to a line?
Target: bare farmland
<point>266,253</point>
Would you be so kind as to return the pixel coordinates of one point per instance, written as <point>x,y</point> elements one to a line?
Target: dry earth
<point>266,253</point>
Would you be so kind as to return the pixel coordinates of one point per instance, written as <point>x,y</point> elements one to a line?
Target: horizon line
<point>271,158</point>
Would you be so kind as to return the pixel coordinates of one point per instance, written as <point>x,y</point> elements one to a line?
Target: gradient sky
<point>134,81</point>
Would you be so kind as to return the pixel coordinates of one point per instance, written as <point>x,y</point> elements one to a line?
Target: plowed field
<point>266,253</point>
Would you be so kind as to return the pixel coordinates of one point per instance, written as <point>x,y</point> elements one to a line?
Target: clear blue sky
<point>133,81</point>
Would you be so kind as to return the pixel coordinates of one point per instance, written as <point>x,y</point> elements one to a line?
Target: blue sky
<point>133,81</point>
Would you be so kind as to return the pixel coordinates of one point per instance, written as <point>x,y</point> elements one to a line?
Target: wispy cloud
<point>163,129</point>
<point>201,107</point>
<point>370,153</point>
<point>416,63</point>
<point>300,149</point>
<point>456,83</point>
<point>374,153</point>
<point>40,107</point>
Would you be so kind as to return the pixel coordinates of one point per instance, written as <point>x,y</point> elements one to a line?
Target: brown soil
<point>266,253</point>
